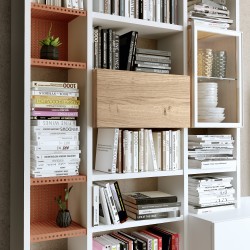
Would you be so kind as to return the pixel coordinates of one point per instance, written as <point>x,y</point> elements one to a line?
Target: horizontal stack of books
<point>152,61</point>
<point>54,133</point>
<point>151,205</point>
<point>126,151</point>
<point>164,11</point>
<point>211,151</point>
<point>108,206</point>
<point>207,193</point>
<point>71,4</point>
<point>213,13</point>
<point>151,238</point>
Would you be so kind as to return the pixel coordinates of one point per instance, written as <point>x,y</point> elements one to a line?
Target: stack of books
<point>71,4</point>
<point>108,206</point>
<point>54,133</point>
<point>152,61</point>
<point>151,205</point>
<point>211,151</point>
<point>143,150</point>
<point>151,238</point>
<point>213,13</point>
<point>209,193</point>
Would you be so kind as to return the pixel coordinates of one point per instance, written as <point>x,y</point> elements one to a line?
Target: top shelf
<point>50,12</point>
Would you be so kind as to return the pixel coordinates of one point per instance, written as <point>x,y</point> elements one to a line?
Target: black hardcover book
<point>173,11</point>
<point>135,244</point>
<point>115,51</point>
<point>126,49</point>
<point>166,238</point>
<point>104,33</point>
<point>110,49</point>
<point>133,53</point>
<point>140,9</point>
<point>149,197</point>
<point>96,63</point>
<point>99,46</point>
<point>142,245</point>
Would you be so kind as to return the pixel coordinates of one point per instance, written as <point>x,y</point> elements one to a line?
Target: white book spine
<point>55,143</point>
<point>34,129</point>
<point>178,149</point>
<point>150,10</point>
<point>95,205</point>
<point>58,156</point>
<point>115,150</point>
<point>174,150</point>
<point>132,9</point>
<point>59,85</point>
<point>136,8</point>
<point>127,155</point>
<point>53,123</point>
<point>135,153</point>
<point>80,5</point>
<point>146,150</point>
<point>152,150</point>
<point>104,218</point>
<point>55,152</point>
<point>158,148</point>
<point>127,8</point>
<point>74,4</point>
<point>54,137</point>
<point>141,150</point>
<point>67,4</point>
<point>145,9</point>
<point>168,151</point>
<point>164,153</point>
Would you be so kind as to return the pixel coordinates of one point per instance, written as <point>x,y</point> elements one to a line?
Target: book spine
<point>119,153</point>
<point>141,9</point>
<point>58,156</point>
<point>104,49</point>
<point>95,205</point>
<point>103,217</point>
<point>150,70</point>
<point>132,8</point>
<point>150,58</point>
<point>168,153</point>
<point>145,9</point>
<point>127,8</point>
<point>127,151</point>
<point>152,150</point>
<point>117,52</point>
<point>96,57</point>
<point>59,85</point>
<point>107,6</point>
<point>136,8</point>
<point>55,147</point>
<point>152,66</point>
<point>146,149</point>
<point>115,150</point>
<point>153,52</point>
<point>53,123</point>
<point>65,101</point>
<point>54,94</point>
<point>122,8</point>
<point>54,138</point>
<point>99,47</point>
<point>48,105</point>
<point>141,150</point>
<point>135,152</point>
<point>158,149</point>
<point>53,113</point>
<point>159,238</point>
<point>174,150</point>
<point>110,49</point>
<point>133,51</point>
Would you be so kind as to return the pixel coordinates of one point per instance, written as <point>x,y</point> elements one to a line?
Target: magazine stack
<point>211,152</point>
<point>212,13</point>
<point>209,193</point>
<point>54,132</point>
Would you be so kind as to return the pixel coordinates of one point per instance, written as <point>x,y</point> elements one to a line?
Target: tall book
<point>127,43</point>
<point>106,150</point>
<point>95,205</point>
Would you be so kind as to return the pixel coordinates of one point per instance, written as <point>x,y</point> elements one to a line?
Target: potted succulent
<point>63,218</point>
<point>49,49</point>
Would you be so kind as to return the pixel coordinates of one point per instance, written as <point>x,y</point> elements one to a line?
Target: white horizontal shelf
<point>133,223</point>
<point>208,171</point>
<point>216,78</point>
<point>216,125</point>
<point>99,176</point>
<point>146,29</point>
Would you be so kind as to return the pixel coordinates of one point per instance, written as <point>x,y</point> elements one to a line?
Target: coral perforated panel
<point>39,31</point>
<point>42,202</point>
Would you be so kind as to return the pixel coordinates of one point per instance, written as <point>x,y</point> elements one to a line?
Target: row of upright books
<point>71,4</point>
<point>154,237</point>
<point>110,206</point>
<point>211,151</point>
<point>164,11</point>
<point>210,193</point>
<point>212,13</point>
<point>126,151</point>
<point>114,51</point>
<point>54,133</point>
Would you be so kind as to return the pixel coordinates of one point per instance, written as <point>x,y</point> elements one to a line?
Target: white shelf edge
<point>98,176</point>
<point>216,78</point>
<point>208,171</point>
<point>132,223</point>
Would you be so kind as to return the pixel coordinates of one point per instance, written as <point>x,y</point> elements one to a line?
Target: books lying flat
<point>204,210</point>
<point>169,214</point>
<point>149,197</point>
<point>211,164</point>
<point>153,52</point>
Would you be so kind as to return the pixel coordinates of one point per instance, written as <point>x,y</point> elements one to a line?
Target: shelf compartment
<point>35,62</point>
<point>130,223</point>
<point>50,12</point>
<point>128,99</point>
<point>99,176</point>
<point>57,180</point>
<point>44,231</point>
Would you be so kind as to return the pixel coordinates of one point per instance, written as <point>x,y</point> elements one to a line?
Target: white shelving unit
<point>161,36</point>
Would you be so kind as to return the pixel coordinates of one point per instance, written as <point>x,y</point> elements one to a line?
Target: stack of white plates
<point>207,103</point>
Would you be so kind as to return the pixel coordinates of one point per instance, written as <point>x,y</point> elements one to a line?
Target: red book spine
<point>155,236</point>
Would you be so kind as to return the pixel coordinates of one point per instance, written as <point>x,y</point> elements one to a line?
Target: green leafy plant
<point>50,40</point>
<point>63,203</point>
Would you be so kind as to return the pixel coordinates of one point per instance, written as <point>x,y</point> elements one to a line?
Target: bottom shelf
<point>44,231</point>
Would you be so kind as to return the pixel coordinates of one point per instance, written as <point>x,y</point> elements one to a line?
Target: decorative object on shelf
<point>49,49</point>
<point>219,63</point>
<point>63,218</point>
<point>205,62</point>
